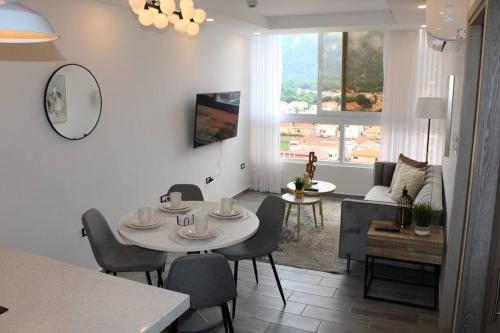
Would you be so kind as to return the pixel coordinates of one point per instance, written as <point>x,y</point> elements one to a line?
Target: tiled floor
<point>316,302</point>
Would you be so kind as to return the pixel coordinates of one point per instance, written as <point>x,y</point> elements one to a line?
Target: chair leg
<point>235,284</point>
<point>149,278</point>
<point>277,278</point>
<point>224,318</point>
<point>160,278</point>
<point>228,316</point>
<point>255,270</point>
<point>114,273</point>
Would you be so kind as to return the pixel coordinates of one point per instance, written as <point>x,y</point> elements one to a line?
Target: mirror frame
<point>47,111</point>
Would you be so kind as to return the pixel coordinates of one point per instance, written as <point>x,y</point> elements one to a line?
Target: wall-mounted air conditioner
<point>446,22</point>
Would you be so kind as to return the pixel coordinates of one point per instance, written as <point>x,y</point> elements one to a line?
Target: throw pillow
<point>409,177</point>
<point>408,161</point>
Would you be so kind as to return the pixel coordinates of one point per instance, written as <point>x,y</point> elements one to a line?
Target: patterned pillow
<point>409,177</point>
<point>408,161</point>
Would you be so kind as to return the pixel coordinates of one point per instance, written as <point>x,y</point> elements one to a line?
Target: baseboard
<point>240,193</point>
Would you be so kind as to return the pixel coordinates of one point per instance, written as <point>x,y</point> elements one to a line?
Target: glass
<point>331,88</point>
<point>362,143</point>
<point>298,139</point>
<point>299,93</point>
<point>364,71</point>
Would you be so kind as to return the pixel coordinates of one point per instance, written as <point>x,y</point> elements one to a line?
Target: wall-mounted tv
<point>216,117</point>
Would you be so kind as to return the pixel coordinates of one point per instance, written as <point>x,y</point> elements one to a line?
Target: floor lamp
<point>430,108</point>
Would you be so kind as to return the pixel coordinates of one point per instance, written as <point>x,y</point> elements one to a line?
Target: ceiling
<point>281,16</point>
<point>310,7</point>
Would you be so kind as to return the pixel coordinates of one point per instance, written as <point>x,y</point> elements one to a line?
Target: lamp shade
<point>431,108</point>
<point>19,24</point>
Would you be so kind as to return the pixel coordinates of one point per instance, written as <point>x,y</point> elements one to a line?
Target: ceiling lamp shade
<point>19,24</point>
<point>162,13</point>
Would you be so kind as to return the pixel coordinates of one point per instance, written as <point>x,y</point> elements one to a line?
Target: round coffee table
<point>318,189</point>
<point>290,199</point>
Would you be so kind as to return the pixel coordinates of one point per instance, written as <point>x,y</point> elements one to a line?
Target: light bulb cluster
<point>161,13</point>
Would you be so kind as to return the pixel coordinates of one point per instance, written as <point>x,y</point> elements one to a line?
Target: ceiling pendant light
<point>19,24</point>
<point>161,13</point>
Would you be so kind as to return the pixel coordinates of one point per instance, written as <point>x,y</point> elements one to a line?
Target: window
<point>299,91</point>
<point>298,139</point>
<point>364,77</point>
<point>362,143</point>
<point>332,96</point>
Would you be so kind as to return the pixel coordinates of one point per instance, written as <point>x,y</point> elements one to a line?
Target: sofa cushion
<point>410,178</point>
<point>408,161</point>
<point>432,190</point>
<point>379,193</point>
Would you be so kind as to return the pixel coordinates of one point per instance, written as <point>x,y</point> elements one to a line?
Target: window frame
<point>341,118</point>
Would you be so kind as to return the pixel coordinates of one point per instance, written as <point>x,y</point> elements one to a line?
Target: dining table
<point>166,236</point>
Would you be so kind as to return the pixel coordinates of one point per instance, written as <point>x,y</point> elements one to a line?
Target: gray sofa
<point>357,215</point>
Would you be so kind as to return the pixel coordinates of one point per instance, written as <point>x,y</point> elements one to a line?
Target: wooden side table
<point>290,199</point>
<point>407,247</point>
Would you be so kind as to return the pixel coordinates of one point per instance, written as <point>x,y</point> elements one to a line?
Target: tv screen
<point>216,117</point>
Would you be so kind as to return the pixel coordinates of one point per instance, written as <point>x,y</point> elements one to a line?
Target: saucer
<point>236,212</point>
<point>190,233</point>
<point>166,207</point>
<point>135,224</point>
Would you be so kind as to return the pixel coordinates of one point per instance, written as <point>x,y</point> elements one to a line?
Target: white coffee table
<point>290,199</point>
<point>319,188</point>
<point>165,237</point>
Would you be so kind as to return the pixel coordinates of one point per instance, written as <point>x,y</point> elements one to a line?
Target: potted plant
<point>299,187</point>
<point>423,215</point>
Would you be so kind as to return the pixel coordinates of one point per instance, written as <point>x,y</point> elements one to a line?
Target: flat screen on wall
<point>216,117</point>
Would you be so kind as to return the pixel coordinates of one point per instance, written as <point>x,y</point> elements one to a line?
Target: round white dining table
<point>166,237</point>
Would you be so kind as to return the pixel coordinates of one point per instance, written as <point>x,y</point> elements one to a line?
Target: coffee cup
<point>143,215</point>
<point>227,205</point>
<point>175,199</point>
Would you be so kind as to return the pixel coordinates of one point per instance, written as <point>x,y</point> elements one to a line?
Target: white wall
<point>351,180</point>
<point>143,143</point>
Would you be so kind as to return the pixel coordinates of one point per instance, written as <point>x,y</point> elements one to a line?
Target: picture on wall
<point>56,100</point>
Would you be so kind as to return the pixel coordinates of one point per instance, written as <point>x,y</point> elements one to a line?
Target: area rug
<point>317,248</point>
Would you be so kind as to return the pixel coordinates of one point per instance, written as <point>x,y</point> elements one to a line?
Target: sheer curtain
<point>412,70</point>
<point>266,72</point>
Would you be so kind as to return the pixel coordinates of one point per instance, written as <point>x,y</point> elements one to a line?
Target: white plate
<point>164,207</point>
<point>236,212</point>
<point>190,233</point>
<point>133,223</point>
<point>242,215</point>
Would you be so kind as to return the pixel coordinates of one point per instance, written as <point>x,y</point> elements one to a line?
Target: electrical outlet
<point>243,166</point>
<point>209,179</point>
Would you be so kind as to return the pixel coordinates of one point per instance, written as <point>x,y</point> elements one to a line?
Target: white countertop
<point>46,295</point>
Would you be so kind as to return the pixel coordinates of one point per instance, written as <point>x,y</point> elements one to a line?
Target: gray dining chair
<point>115,257</point>
<point>189,192</point>
<point>208,281</point>
<point>263,243</point>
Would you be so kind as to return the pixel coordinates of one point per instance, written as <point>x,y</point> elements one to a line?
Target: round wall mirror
<point>73,102</point>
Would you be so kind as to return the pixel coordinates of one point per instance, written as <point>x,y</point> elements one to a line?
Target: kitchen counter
<point>46,295</point>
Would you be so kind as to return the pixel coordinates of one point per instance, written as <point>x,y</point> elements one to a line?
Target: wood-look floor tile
<point>320,301</point>
<point>307,288</point>
<point>262,289</point>
<point>287,319</point>
<point>270,302</point>
<point>331,327</point>
<point>335,316</point>
<point>275,328</point>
